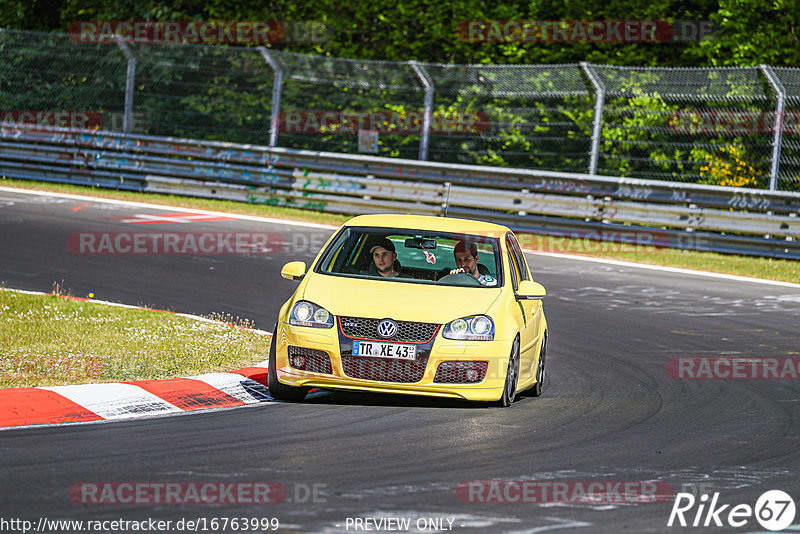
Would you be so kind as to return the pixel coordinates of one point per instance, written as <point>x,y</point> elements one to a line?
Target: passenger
<point>384,260</point>
<point>467,262</point>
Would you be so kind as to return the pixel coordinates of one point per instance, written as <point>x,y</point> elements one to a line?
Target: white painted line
<point>246,390</point>
<point>677,270</point>
<point>167,208</point>
<point>115,401</point>
<point>25,291</point>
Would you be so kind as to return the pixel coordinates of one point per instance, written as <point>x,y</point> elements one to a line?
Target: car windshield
<point>422,257</point>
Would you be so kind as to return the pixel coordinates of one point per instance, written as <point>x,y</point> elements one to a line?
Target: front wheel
<point>512,376</point>
<point>276,389</point>
<point>536,390</point>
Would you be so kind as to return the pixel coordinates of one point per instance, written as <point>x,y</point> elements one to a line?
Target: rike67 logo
<point>774,510</point>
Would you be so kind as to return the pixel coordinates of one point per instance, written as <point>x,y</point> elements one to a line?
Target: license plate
<point>376,349</point>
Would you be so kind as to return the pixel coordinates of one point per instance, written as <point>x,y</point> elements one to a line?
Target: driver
<point>466,256</point>
<point>384,260</point>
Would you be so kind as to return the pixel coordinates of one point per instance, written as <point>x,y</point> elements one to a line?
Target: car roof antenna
<point>447,200</point>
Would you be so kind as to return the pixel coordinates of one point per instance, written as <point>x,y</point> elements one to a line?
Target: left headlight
<point>472,328</point>
<point>305,313</point>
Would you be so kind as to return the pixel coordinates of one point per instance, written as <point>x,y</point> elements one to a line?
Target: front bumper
<point>439,350</point>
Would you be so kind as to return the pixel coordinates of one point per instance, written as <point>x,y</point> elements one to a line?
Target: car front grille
<point>383,369</point>
<point>407,331</point>
<point>311,360</point>
<point>461,372</point>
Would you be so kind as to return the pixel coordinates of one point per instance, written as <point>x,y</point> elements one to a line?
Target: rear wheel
<point>512,377</point>
<point>276,389</point>
<point>536,390</point>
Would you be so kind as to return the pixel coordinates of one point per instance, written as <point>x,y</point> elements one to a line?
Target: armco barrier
<point>717,218</point>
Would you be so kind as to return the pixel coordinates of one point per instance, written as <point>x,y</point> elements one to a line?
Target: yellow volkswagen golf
<point>413,305</point>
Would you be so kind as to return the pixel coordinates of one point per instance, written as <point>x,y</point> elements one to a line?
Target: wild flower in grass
<point>732,168</point>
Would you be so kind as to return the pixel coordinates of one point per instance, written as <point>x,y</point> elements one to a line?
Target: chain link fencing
<point>789,162</point>
<point>202,92</point>
<point>720,126</point>
<point>693,125</point>
<point>41,74</point>
<point>325,101</point>
<point>527,116</point>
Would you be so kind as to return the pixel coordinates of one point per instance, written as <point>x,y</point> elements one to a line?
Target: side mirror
<point>294,270</point>
<point>530,290</point>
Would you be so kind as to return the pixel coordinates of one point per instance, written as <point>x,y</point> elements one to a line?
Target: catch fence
<point>713,126</point>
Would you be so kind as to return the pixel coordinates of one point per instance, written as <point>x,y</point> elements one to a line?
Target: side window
<point>513,264</point>
<point>513,268</point>
<point>517,259</point>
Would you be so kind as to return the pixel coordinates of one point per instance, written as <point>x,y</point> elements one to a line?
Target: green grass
<point>49,340</point>
<point>767,268</point>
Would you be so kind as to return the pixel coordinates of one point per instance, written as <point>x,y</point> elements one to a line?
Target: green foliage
<point>747,32</point>
<point>752,32</point>
<point>635,130</point>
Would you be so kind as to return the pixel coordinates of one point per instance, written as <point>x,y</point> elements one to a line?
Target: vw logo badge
<point>387,328</point>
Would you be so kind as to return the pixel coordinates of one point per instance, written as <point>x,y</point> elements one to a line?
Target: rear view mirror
<point>294,270</point>
<point>418,242</point>
<point>530,290</point>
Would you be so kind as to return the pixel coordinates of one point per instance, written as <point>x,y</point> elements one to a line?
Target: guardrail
<point>691,216</point>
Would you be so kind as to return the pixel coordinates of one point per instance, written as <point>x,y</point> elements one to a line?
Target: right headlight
<point>472,328</point>
<point>305,313</point>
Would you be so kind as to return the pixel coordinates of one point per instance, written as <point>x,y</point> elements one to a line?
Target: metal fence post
<point>777,140</point>
<point>597,122</point>
<point>428,112</point>
<point>130,80</point>
<point>277,85</point>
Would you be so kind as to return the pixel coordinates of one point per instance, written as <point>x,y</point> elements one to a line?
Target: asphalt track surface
<point>610,411</point>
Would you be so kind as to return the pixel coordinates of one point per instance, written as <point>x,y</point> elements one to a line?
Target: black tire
<point>277,390</point>
<point>536,390</point>
<point>512,377</point>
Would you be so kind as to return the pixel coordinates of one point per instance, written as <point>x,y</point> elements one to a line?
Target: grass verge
<point>49,340</point>
<point>767,268</point>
